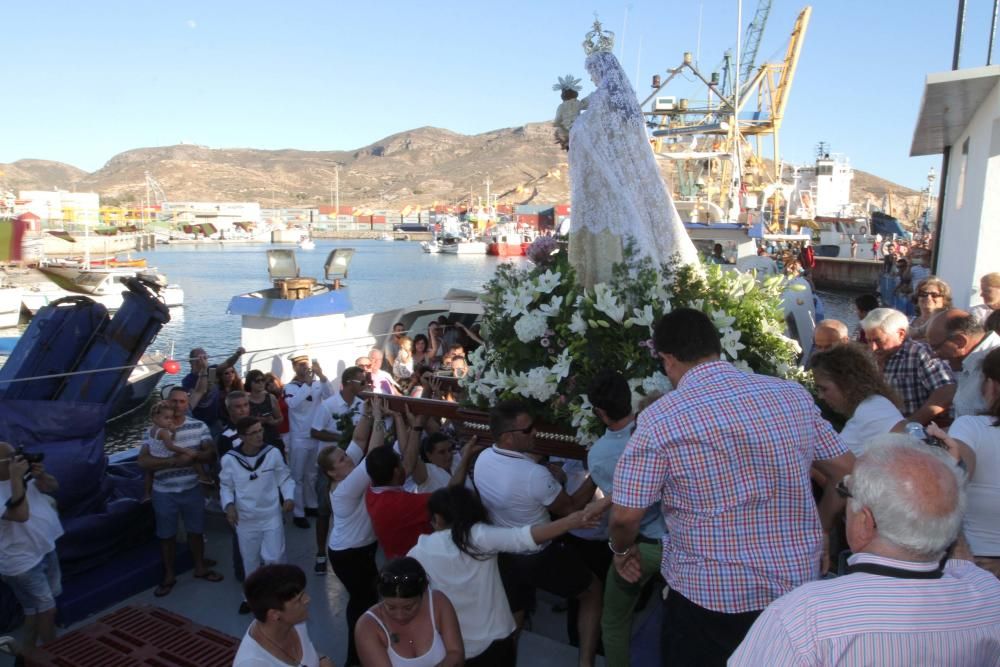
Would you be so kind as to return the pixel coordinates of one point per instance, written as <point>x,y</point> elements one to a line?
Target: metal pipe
<point>959,30</point>
<point>993,33</point>
<point>945,160</point>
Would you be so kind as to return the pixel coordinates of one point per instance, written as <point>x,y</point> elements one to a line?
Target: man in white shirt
<point>959,339</point>
<point>517,491</point>
<point>303,395</point>
<point>897,605</point>
<point>29,528</point>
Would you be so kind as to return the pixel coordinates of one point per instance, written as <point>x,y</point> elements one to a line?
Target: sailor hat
<point>298,356</point>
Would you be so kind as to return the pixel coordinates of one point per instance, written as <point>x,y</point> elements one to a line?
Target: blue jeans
<point>189,505</point>
<point>38,588</point>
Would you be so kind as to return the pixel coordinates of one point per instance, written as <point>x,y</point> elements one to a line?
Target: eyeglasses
<point>526,430</point>
<point>936,346</point>
<point>842,489</point>
<point>928,295</point>
<point>354,381</point>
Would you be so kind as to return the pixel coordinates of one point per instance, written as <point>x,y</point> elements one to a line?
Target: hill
<point>416,167</point>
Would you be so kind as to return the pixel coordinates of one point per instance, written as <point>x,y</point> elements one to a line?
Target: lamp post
<point>931,177</point>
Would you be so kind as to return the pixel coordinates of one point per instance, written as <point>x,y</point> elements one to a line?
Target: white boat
<point>101,285</point>
<point>10,306</point>
<point>386,236</point>
<point>458,245</point>
<point>307,244</point>
<point>430,247</point>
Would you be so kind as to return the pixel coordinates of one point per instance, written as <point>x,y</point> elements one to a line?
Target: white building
<point>960,116</point>
<point>59,207</point>
<point>221,214</point>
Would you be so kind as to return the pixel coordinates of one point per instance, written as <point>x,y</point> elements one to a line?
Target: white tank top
<point>435,654</point>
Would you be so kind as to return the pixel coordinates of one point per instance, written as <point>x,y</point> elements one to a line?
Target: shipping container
<point>562,209</point>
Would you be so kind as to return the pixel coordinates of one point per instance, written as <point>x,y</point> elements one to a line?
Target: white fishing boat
<point>431,247</point>
<point>101,285</point>
<point>460,245</point>
<point>307,244</point>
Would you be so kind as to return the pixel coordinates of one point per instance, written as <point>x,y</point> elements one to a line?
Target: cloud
<point>191,23</point>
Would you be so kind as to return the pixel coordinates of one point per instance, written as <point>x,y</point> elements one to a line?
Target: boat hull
<point>466,248</point>
<point>506,249</point>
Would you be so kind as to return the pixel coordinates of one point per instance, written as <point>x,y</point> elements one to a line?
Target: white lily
<point>547,282</point>
<point>552,307</point>
<point>606,302</point>
<point>577,325</point>
<point>641,318</point>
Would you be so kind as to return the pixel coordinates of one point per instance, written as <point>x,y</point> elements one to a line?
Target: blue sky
<point>92,79</point>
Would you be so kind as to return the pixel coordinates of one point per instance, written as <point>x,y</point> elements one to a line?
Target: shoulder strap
<point>388,637</point>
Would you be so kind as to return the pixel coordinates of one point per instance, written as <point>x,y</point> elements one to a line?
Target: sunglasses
<point>842,489</point>
<point>928,295</point>
<point>526,430</point>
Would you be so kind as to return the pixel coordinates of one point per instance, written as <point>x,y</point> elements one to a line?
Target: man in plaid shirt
<point>728,454</point>
<point>926,385</point>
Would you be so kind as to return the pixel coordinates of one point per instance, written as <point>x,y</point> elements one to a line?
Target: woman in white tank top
<point>412,626</point>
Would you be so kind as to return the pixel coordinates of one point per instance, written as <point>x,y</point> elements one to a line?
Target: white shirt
<point>473,585</point>
<point>982,514</point>
<point>257,503</point>
<point>969,395</point>
<point>352,527</point>
<point>24,544</point>
<point>437,477</point>
<point>302,401</point>
<point>876,415</point>
<point>515,490</point>
<point>868,619</point>
<point>332,409</point>
<point>252,654</point>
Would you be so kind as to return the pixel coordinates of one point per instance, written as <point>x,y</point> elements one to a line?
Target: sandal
<point>210,575</point>
<point>164,588</point>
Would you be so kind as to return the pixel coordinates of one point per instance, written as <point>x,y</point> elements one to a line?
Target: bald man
<point>960,339</point>
<point>898,603</point>
<point>829,333</point>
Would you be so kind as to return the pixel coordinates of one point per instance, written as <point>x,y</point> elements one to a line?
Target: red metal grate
<point>139,635</point>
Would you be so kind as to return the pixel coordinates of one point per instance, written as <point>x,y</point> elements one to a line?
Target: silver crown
<point>598,40</point>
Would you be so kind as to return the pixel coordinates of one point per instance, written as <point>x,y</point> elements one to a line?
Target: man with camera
<point>29,528</point>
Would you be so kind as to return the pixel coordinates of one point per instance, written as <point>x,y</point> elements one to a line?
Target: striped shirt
<point>915,373</point>
<point>189,435</point>
<point>728,455</point>
<point>868,619</point>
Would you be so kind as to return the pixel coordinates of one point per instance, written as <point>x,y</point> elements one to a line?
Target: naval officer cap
<point>298,356</point>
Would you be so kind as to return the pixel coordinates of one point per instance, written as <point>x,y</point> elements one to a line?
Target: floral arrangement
<point>549,337</point>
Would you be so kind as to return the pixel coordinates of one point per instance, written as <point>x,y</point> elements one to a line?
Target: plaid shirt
<point>728,455</point>
<point>915,373</point>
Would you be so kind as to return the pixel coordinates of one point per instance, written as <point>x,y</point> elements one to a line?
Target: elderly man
<point>926,385</point>
<point>829,333</point>
<point>897,605</point>
<point>382,382</point>
<point>728,455</point>
<point>303,396</point>
<point>959,339</point>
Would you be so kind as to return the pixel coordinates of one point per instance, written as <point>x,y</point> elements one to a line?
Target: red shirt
<point>398,518</point>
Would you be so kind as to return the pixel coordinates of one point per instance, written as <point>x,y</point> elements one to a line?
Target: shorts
<point>323,507</point>
<point>38,588</point>
<point>556,569</point>
<point>189,505</point>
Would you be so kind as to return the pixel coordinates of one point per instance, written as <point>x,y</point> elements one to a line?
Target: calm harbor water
<point>382,275</point>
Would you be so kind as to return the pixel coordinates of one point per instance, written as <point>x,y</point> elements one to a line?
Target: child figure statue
<point>569,109</point>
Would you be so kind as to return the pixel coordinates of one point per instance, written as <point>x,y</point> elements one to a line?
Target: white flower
<point>605,301</point>
<point>657,382</point>
<point>697,304</point>
<point>641,318</point>
<point>530,327</point>
<point>722,320</point>
<point>552,307</point>
<point>516,302</point>
<point>547,282</point>
<point>731,343</point>
<point>560,369</point>
<point>577,325</point>
<point>742,365</point>
<point>538,383</point>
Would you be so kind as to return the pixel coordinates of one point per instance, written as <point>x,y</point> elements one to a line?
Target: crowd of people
<point>732,496</point>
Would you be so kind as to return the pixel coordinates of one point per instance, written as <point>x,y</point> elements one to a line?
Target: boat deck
<point>215,605</point>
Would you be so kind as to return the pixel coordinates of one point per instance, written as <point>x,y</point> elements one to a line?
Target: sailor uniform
<point>252,484</point>
<point>303,400</point>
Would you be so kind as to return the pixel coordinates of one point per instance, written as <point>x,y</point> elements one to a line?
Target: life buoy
<point>863,230</point>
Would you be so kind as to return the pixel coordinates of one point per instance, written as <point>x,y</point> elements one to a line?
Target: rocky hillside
<point>417,167</point>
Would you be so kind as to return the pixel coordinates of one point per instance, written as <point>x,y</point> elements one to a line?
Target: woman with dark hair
<point>413,625</point>
<point>278,637</point>
<point>228,380</point>
<point>264,406</point>
<point>975,439</point>
<point>849,382</point>
<point>421,354</point>
<point>933,295</point>
<point>460,557</point>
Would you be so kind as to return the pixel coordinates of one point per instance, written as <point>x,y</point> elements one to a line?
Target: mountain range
<point>417,167</point>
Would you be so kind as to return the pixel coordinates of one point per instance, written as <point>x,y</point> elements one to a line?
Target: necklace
<point>291,658</point>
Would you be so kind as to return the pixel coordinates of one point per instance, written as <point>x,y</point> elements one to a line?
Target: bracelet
<point>611,545</point>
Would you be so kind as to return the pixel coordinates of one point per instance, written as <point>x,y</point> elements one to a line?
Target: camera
<point>917,431</point>
<point>28,456</point>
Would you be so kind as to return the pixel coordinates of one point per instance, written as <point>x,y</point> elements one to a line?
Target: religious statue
<point>616,188</point>
<point>569,109</point>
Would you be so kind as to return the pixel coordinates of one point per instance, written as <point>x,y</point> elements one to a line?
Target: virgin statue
<point>616,188</point>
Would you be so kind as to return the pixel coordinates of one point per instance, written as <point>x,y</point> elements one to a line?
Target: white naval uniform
<point>252,484</point>
<point>303,400</point>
